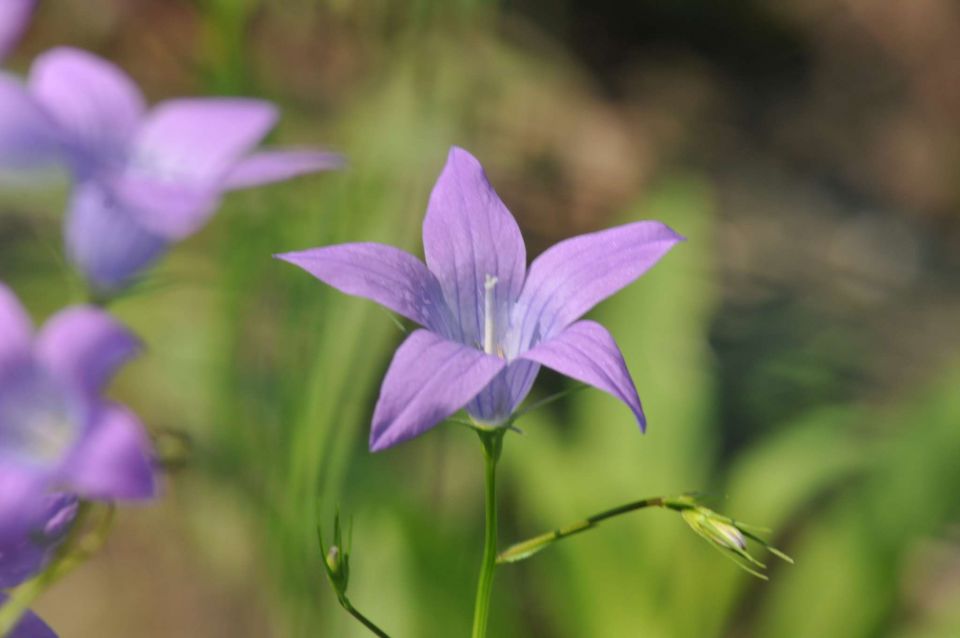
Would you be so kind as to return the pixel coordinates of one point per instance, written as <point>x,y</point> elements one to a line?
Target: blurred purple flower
<point>490,323</point>
<point>29,626</point>
<point>143,179</point>
<point>14,17</point>
<point>57,433</point>
<point>27,554</point>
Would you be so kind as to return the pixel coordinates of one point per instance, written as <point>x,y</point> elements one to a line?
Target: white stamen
<point>489,325</point>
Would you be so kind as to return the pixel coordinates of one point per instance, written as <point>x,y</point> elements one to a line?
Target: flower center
<point>37,424</point>
<point>489,322</point>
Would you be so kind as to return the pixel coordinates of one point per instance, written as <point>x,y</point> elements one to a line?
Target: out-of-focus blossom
<point>29,626</point>
<point>24,556</point>
<point>14,17</point>
<point>489,322</point>
<point>143,178</point>
<point>57,432</point>
<point>27,555</point>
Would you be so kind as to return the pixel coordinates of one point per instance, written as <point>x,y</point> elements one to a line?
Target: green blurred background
<point>798,357</point>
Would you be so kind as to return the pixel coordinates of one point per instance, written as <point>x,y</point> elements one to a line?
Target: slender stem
<point>336,565</point>
<point>525,549</point>
<point>363,619</point>
<point>492,445</point>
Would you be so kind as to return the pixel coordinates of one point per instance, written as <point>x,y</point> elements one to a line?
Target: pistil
<point>489,325</point>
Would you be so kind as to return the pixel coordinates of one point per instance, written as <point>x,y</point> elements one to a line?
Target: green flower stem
<point>526,549</point>
<point>492,445</point>
<point>76,548</point>
<point>345,603</point>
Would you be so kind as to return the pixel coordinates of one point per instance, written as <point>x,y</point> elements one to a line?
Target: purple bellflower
<point>14,17</point>
<point>489,323</point>
<point>142,179</point>
<point>57,433</point>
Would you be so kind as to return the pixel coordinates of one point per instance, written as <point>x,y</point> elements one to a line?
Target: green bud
<point>725,534</point>
<point>333,559</point>
<point>336,558</point>
<point>337,568</point>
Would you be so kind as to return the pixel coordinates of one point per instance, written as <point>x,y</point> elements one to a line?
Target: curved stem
<point>492,444</point>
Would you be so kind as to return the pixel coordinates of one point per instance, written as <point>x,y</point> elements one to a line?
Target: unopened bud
<point>714,528</point>
<point>337,568</point>
<point>725,534</point>
<point>333,559</point>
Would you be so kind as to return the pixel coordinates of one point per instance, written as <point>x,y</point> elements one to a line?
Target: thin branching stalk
<point>525,549</point>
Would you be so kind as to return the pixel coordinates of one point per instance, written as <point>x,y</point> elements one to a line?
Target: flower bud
<point>724,533</point>
<point>337,568</point>
<point>336,558</point>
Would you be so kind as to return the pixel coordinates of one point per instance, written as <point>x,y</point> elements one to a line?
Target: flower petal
<point>30,625</point>
<point>171,210</point>
<point>429,379</point>
<point>573,276</point>
<point>496,402</point>
<point>469,234</point>
<point>21,493</point>
<point>27,136</point>
<point>14,17</point>
<point>26,555</point>
<point>586,351</point>
<point>113,461</point>
<point>95,104</point>
<point>16,330</point>
<point>389,276</point>
<point>267,167</point>
<point>85,346</point>
<point>186,148</point>
<point>104,240</point>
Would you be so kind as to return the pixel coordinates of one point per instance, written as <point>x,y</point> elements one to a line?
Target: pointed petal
<point>183,152</point>
<point>573,276</point>
<point>85,346</point>
<point>14,17</point>
<point>113,462</point>
<point>201,139</point>
<point>30,626</point>
<point>16,330</point>
<point>104,240</point>
<point>469,234</point>
<point>27,137</point>
<point>389,276</point>
<point>267,167</point>
<point>429,379</point>
<point>586,351</point>
<point>95,104</point>
<point>171,210</point>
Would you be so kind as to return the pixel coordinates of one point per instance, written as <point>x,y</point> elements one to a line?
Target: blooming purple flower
<point>57,433</point>
<point>143,179</point>
<point>14,17</point>
<point>489,322</point>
